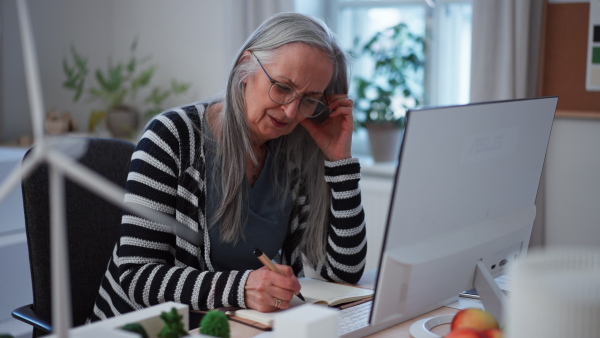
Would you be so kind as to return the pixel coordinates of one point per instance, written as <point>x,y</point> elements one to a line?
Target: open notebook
<point>314,291</point>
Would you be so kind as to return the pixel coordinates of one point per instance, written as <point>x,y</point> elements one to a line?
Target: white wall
<point>376,186</point>
<point>13,114</point>
<point>573,183</point>
<point>186,38</point>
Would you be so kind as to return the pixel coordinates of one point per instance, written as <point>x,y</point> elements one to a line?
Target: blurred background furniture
<point>15,281</point>
<point>92,226</point>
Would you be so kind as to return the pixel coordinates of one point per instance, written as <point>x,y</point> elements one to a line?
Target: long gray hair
<point>296,156</point>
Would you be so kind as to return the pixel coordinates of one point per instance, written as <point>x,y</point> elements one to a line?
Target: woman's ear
<point>244,58</point>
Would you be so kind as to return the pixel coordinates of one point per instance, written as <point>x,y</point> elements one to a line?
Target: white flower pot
<point>122,121</point>
<point>385,141</point>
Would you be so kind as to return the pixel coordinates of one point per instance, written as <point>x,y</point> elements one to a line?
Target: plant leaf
<point>397,57</point>
<point>96,117</point>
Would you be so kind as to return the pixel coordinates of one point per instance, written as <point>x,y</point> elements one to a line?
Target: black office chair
<point>92,226</point>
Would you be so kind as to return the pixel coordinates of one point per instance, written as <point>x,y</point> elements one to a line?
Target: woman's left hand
<point>334,136</point>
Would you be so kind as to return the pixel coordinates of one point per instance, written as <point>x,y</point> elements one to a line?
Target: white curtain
<point>1,73</point>
<point>505,57</point>
<point>505,49</point>
<point>244,16</point>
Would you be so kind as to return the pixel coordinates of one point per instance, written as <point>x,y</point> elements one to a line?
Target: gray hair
<point>296,156</point>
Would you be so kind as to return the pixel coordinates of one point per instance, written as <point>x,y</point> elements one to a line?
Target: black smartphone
<point>323,116</point>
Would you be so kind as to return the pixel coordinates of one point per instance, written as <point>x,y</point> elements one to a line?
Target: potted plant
<point>394,84</point>
<point>117,88</point>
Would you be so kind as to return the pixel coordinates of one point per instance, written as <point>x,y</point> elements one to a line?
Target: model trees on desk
<point>215,323</point>
<point>173,325</point>
<point>136,328</point>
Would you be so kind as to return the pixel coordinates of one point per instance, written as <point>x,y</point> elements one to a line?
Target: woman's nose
<point>291,109</point>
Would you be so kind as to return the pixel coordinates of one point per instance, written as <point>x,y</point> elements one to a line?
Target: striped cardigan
<point>150,264</point>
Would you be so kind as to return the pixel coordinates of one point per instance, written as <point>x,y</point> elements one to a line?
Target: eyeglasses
<point>282,93</point>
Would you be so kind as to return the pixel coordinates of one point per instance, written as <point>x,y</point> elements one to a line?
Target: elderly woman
<point>268,165</point>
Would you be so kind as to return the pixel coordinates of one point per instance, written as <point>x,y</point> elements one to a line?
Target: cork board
<point>564,60</point>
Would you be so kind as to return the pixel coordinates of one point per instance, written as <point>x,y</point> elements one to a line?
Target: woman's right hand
<point>264,287</point>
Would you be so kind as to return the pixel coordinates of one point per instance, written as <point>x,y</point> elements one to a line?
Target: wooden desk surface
<point>402,330</point>
<point>239,330</point>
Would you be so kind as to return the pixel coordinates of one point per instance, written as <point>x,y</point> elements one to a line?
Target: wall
<point>572,183</point>
<point>573,161</point>
<point>12,87</point>
<point>376,186</point>
<point>185,37</point>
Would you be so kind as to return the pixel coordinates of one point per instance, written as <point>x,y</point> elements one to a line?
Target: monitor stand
<point>492,298</point>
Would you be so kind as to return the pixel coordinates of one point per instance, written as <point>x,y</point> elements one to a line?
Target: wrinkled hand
<point>264,285</point>
<point>334,136</point>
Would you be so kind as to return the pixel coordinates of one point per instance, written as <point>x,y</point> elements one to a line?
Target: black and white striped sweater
<point>151,265</point>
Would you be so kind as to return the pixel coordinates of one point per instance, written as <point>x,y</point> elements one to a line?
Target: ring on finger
<point>277,302</point>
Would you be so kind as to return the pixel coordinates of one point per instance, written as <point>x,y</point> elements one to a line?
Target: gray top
<point>266,224</point>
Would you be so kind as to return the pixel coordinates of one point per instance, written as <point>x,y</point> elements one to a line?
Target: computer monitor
<point>462,206</point>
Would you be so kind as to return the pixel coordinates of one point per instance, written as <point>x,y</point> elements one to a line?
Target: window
<point>450,54</point>
<point>445,24</point>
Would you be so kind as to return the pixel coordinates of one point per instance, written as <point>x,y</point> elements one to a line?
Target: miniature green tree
<point>136,328</point>
<point>215,323</point>
<point>173,325</point>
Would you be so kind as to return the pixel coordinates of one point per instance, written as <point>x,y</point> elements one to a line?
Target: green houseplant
<point>394,84</point>
<point>116,88</point>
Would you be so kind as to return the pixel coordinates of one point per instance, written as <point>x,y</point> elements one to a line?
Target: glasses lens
<point>311,107</point>
<point>282,94</point>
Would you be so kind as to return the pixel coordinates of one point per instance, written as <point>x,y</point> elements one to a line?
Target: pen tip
<point>301,297</point>
<point>257,252</point>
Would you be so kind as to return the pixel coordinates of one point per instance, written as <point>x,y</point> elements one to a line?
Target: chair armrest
<point>27,315</point>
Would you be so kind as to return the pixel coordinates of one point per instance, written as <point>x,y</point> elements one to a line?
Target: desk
<point>239,330</point>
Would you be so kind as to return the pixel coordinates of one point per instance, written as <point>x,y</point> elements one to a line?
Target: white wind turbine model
<point>52,151</point>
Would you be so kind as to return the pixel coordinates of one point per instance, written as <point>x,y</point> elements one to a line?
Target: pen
<point>267,262</point>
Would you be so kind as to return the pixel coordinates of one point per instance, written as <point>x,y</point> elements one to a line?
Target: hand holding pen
<point>267,290</point>
<point>269,264</point>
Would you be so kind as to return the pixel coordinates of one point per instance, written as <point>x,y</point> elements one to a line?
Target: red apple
<point>493,333</point>
<point>464,333</point>
<point>472,318</point>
